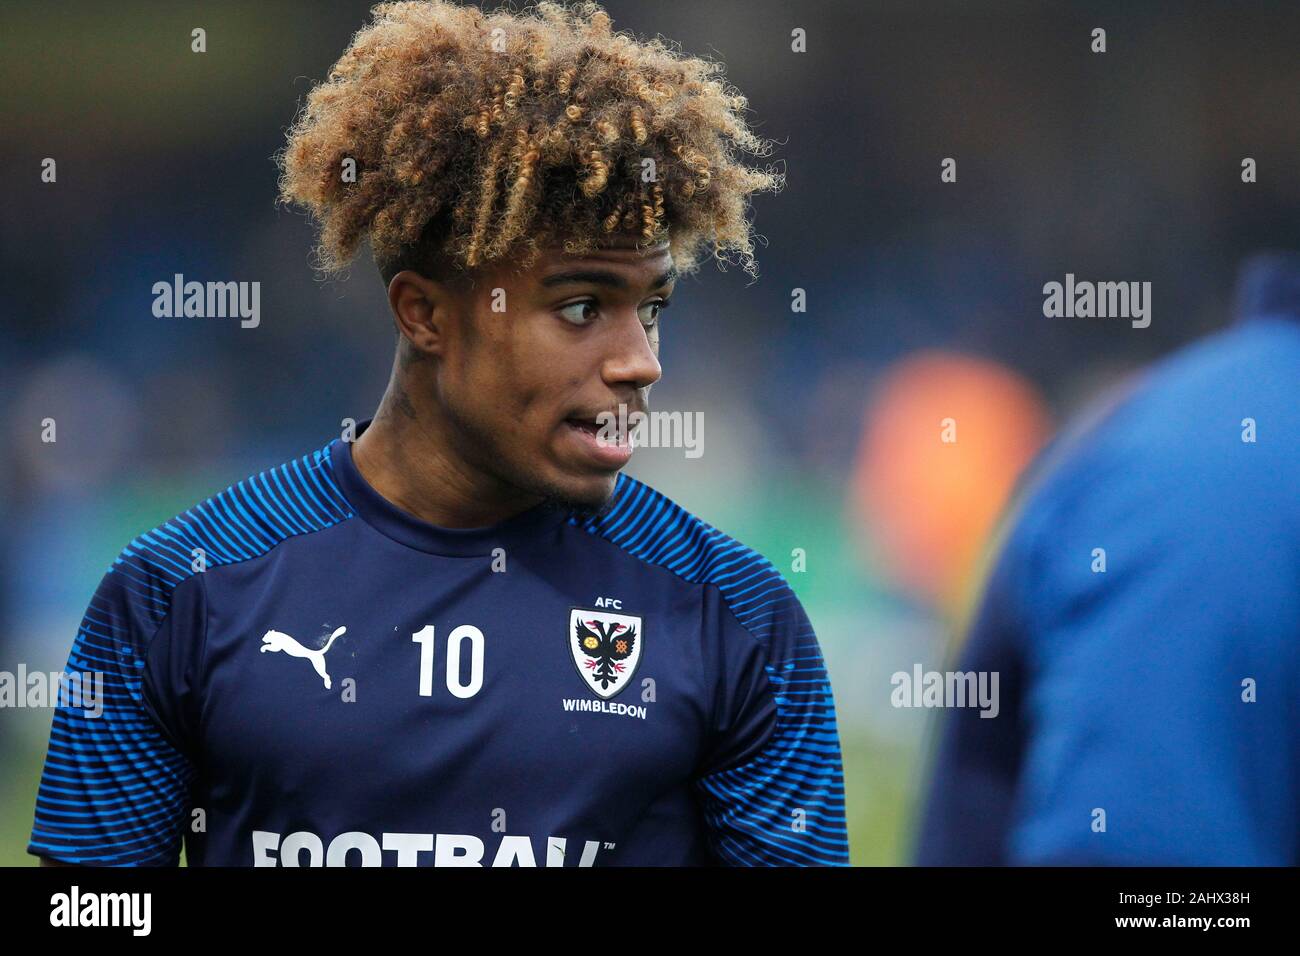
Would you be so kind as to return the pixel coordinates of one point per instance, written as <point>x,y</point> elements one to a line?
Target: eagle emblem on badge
<point>606,648</point>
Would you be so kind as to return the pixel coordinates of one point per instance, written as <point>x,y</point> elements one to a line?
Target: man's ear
<point>421,310</point>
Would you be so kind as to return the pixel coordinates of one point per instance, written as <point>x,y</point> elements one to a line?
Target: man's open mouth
<point>605,429</point>
<point>601,440</point>
<point>589,425</point>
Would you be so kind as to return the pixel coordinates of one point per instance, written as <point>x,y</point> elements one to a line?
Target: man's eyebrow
<point>667,277</point>
<point>600,277</point>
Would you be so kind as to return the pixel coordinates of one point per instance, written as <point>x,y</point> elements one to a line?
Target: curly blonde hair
<point>480,135</point>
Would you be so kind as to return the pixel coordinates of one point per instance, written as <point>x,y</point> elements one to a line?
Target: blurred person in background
<point>1144,616</point>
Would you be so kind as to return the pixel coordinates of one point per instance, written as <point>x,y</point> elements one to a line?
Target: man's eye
<point>574,312</point>
<point>651,311</point>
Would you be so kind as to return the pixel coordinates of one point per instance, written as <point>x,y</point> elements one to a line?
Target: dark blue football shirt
<point>297,672</point>
<point>1149,712</point>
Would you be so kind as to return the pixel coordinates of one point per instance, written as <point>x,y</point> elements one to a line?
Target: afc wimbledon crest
<point>606,647</point>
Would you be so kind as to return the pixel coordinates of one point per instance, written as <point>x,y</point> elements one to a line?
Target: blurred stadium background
<point>820,428</point>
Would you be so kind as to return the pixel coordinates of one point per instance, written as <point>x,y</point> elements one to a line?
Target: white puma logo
<point>279,641</point>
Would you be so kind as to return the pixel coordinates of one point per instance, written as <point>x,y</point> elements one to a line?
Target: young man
<point>464,638</point>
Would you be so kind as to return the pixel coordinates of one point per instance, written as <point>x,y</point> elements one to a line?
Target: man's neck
<point>406,457</point>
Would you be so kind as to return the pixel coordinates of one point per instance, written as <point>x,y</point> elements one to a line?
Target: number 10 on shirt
<point>455,645</point>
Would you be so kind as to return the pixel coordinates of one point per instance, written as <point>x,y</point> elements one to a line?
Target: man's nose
<point>632,359</point>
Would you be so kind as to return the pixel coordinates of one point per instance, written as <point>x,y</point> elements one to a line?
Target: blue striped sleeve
<point>116,785</point>
<point>779,799</point>
<point>114,790</point>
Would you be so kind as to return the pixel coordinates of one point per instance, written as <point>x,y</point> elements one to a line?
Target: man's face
<point>576,336</point>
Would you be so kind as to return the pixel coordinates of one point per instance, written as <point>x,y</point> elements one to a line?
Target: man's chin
<point>587,498</point>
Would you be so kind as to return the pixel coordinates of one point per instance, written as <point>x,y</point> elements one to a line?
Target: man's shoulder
<point>244,521</point>
<point>1207,429</point>
<point>652,528</point>
<point>1178,481</point>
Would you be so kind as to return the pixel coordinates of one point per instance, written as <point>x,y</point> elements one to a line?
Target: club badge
<point>606,648</point>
